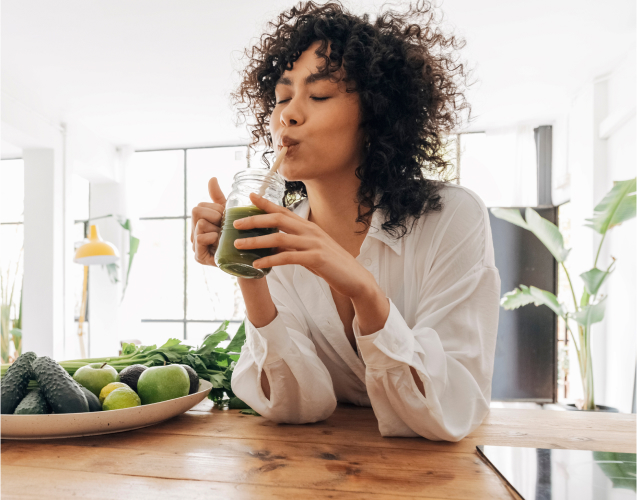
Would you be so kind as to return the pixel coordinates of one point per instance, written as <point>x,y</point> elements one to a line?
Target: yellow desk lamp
<point>95,251</point>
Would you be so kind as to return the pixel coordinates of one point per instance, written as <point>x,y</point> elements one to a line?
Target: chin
<point>296,170</point>
<point>292,173</point>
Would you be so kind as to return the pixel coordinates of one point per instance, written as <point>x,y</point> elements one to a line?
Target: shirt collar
<point>302,209</point>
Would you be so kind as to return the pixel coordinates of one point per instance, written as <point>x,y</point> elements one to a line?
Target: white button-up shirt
<point>444,293</point>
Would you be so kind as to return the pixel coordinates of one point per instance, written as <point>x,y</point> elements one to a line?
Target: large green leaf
<point>593,279</point>
<point>238,340</point>
<point>590,314</point>
<point>547,232</point>
<point>618,467</point>
<point>511,215</point>
<point>211,340</point>
<point>531,295</point>
<point>617,206</point>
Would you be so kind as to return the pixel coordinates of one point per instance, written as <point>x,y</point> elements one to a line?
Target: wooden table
<point>213,454</point>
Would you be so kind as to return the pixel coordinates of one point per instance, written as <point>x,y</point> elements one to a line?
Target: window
<point>11,243</point>
<point>12,233</point>
<point>176,296</point>
<point>500,166</point>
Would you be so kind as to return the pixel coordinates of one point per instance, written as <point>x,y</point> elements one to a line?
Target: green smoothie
<point>236,261</point>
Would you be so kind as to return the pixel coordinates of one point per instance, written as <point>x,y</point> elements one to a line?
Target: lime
<point>107,389</point>
<point>121,397</point>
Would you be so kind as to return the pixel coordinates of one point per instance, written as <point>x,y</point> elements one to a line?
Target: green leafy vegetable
<point>211,362</point>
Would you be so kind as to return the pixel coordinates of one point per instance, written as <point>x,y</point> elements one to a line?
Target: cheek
<point>345,126</point>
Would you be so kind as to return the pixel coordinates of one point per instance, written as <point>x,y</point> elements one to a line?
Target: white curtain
<point>501,166</point>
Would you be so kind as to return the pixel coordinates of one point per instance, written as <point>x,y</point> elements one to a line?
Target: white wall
<point>52,152</point>
<point>44,230</point>
<point>45,307</point>
<point>620,326</point>
<point>596,159</point>
<point>109,318</point>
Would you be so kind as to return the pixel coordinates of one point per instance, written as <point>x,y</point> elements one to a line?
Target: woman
<point>383,291</point>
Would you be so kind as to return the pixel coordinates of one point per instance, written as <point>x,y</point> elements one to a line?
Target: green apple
<point>161,383</point>
<point>95,376</point>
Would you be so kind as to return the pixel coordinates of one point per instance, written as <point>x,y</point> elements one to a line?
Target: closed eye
<point>312,97</point>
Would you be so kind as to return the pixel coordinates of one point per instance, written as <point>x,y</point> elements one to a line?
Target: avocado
<point>63,394</point>
<point>16,381</point>
<point>194,379</point>
<point>33,403</point>
<point>130,375</point>
<point>93,401</point>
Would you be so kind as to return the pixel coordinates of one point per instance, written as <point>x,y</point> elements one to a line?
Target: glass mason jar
<point>228,258</point>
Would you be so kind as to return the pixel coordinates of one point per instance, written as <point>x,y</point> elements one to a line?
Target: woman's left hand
<point>304,243</point>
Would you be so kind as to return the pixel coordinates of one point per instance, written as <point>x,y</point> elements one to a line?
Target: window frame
<point>184,320</point>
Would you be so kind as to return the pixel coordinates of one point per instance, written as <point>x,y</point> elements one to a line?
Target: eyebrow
<point>311,78</point>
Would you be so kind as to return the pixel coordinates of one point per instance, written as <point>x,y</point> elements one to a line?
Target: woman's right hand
<point>206,225</point>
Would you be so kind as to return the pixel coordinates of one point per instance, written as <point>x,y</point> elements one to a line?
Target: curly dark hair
<point>411,93</point>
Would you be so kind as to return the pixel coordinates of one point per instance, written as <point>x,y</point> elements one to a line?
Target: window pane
<point>203,164</point>
<point>197,331</point>
<point>151,333</point>
<point>11,263</point>
<point>12,191</point>
<point>158,269</point>
<point>157,182</point>
<point>500,166</point>
<point>79,198</point>
<point>212,294</point>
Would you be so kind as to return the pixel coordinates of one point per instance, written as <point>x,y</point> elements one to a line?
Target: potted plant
<point>617,206</point>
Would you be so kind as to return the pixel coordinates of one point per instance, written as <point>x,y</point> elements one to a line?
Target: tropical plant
<point>617,206</point>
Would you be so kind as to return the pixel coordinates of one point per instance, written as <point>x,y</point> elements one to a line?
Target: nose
<point>292,114</point>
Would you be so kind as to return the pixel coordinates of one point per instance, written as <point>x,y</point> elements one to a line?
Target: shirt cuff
<point>268,344</point>
<point>391,346</point>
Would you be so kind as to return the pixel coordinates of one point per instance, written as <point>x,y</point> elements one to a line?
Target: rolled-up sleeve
<point>301,389</point>
<point>451,343</point>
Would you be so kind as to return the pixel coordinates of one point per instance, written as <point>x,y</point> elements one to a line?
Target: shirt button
<point>368,262</point>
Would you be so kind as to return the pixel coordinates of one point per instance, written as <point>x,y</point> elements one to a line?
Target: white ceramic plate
<point>61,425</point>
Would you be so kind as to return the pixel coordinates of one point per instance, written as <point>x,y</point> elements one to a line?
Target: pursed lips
<point>288,143</point>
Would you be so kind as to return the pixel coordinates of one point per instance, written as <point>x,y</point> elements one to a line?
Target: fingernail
<point>238,243</point>
<point>255,265</point>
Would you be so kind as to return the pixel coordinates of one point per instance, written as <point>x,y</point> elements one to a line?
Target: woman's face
<point>318,121</point>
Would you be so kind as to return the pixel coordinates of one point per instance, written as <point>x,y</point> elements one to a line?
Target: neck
<point>334,208</point>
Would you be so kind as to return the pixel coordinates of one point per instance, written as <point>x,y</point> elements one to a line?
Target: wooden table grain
<point>215,454</point>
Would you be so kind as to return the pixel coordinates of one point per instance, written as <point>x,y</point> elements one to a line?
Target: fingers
<point>204,246</point>
<point>215,192</point>
<point>276,240</point>
<point>277,220</point>
<point>210,212</point>
<point>203,226</point>
<point>206,239</point>
<point>267,205</point>
<point>308,259</point>
<point>215,206</point>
